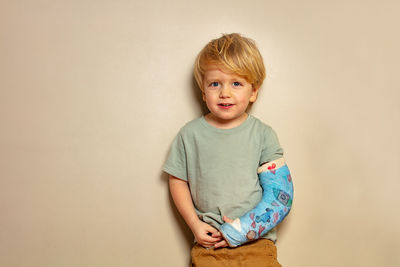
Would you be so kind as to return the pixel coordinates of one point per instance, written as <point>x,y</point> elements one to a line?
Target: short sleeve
<point>176,161</point>
<point>271,148</point>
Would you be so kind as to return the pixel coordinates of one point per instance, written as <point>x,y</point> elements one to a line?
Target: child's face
<point>227,96</point>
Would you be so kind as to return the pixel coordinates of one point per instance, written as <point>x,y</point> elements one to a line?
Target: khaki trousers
<point>260,253</point>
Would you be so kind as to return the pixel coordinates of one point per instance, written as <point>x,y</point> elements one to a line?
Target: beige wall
<point>93,92</point>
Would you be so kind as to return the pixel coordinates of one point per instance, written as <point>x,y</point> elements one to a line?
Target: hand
<point>205,234</point>
<point>223,243</point>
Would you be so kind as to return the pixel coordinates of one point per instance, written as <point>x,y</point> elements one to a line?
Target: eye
<point>237,84</point>
<point>214,84</point>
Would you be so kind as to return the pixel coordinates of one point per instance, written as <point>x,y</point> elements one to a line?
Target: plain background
<point>93,92</point>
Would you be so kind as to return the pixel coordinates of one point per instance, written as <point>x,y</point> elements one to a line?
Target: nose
<point>225,92</point>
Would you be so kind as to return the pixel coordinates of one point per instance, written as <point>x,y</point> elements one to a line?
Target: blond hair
<point>235,53</point>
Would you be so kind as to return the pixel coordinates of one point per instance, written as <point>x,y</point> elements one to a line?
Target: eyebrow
<point>209,80</point>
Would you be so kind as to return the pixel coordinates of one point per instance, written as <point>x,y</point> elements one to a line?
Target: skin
<point>227,96</point>
<point>206,235</point>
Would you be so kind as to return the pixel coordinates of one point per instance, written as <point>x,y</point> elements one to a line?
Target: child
<point>214,161</point>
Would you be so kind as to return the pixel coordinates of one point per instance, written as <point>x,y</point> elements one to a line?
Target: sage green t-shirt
<point>220,166</point>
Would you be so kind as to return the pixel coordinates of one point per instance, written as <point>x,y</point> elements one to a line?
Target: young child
<point>214,163</point>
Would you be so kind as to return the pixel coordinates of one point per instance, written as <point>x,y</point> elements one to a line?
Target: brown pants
<point>258,253</point>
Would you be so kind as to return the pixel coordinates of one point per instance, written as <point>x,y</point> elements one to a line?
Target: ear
<point>253,96</point>
<point>203,95</point>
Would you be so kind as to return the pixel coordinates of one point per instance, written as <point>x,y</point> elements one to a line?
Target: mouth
<point>225,105</point>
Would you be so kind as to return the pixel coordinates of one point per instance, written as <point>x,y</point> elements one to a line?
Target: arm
<point>275,204</point>
<point>183,201</point>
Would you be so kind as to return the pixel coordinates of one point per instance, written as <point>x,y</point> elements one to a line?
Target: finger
<point>226,219</point>
<point>217,234</point>
<point>211,229</point>
<point>211,239</point>
<point>207,237</point>
<point>207,244</point>
<point>221,244</point>
<point>213,233</point>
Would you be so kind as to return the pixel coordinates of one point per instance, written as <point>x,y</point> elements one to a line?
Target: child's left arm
<point>275,204</point>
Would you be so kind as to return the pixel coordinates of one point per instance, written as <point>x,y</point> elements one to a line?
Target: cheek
<point>245,98</point>
<point>208,100</point>
<point>209,96</point>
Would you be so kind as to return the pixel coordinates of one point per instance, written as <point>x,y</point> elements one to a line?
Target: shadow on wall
<point>185,230</point>
<point>198,97</point>
<point>179,223</point>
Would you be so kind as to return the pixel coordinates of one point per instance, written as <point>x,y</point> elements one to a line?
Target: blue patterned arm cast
<point>275,204</point>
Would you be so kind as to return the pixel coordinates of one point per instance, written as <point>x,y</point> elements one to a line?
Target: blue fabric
<point>275,204</point>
